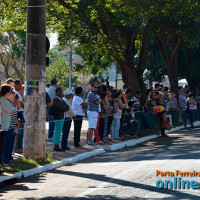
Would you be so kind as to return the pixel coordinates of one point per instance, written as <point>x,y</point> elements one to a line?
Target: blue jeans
<point>51,126</point>
<point>116,126</point>
<point>66,129</point>
<point>8,146</point>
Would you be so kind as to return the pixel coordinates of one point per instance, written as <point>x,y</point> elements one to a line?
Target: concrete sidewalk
<point>75,151</point>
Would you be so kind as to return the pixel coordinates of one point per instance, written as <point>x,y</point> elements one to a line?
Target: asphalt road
<point>126,174</point>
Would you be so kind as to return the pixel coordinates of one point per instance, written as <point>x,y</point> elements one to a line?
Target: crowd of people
<point>110,113</point>
<point>12,120</point>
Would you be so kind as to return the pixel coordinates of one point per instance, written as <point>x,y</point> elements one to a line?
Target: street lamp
<point>73,59</point>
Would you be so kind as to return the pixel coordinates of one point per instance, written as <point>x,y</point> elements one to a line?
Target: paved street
<point>125,174</point>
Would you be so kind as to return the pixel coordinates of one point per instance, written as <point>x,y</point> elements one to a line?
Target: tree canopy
<point>119,30</point>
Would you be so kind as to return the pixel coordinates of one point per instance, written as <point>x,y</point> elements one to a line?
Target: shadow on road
<point>175,193</point>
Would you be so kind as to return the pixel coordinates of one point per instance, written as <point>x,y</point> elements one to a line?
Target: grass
<point>27,163</point>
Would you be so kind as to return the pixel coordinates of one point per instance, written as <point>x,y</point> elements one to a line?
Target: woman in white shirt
<point>78,106</point>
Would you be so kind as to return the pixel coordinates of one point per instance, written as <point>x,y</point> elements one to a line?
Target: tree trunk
<point>172,70</point>
<point>34,130</point>
<point>19,74</point>
<point>6,69</point>
<point>170,57</point>
<point>129,76</point>
<point>189,69</point>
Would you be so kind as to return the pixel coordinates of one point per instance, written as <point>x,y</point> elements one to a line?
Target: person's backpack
<point>54,111</point>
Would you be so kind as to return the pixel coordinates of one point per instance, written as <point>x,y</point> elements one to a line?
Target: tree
<point>189,64</point>
<point>174,27</point>
<point>157,69</point>
<point>13,56</point>
<point>117,25</point>
<point>96,59</point>
<point>122,27</point>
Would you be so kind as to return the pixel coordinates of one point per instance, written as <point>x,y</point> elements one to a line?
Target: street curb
<point>82,156</point>
<point>197,123</point>
<point>47,167</point>
<point>17,175</point>
<point>132,142</point>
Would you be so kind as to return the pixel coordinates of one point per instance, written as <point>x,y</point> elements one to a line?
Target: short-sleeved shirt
<point>20,99</point>
<point>172,103</point>
<point>52,92</point>
<point>165,100</point>
<point>92,98</point>
<point>135,102</point>
<point>13,117</point>
<point>7,109</point>
<point>182,104</point>
<point>77,107</point>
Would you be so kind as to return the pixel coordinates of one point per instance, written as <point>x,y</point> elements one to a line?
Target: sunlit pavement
<point>125,174</point>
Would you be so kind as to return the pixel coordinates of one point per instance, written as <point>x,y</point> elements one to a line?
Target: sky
<point>53,37</point>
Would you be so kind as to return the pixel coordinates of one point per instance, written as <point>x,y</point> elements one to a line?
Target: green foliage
<point>189,64</point>
<point>106,29</point>
<point>58,68</point>
<point>155,65</point>
<point>96,59</point>
<point>13,56</point>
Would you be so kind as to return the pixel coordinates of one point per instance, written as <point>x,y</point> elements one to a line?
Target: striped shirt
<point>92,98</point>
<point>6,109</point>
<point>13,117</point>
<point>135,102</point>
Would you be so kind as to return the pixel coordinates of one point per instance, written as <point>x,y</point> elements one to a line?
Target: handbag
<point>158,109</point>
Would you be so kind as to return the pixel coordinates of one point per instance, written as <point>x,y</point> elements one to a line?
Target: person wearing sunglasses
<point>93,111</point>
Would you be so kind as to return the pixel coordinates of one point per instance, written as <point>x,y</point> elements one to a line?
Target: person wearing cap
<point>74,87</point>
<point>51,92</point>
<point>69,115</point>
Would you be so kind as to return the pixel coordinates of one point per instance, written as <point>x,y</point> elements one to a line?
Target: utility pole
<point>35,98</point>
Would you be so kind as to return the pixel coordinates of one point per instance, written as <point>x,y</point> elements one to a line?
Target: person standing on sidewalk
<point>7,110</point>
<point>191,108</point>
<point>78,106</point>
<point>61,107</point>
<point>10,135</point>
<point>51,92</point>
<point>18,88</point>
<point>69,115</point>
<point>93,110</point>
